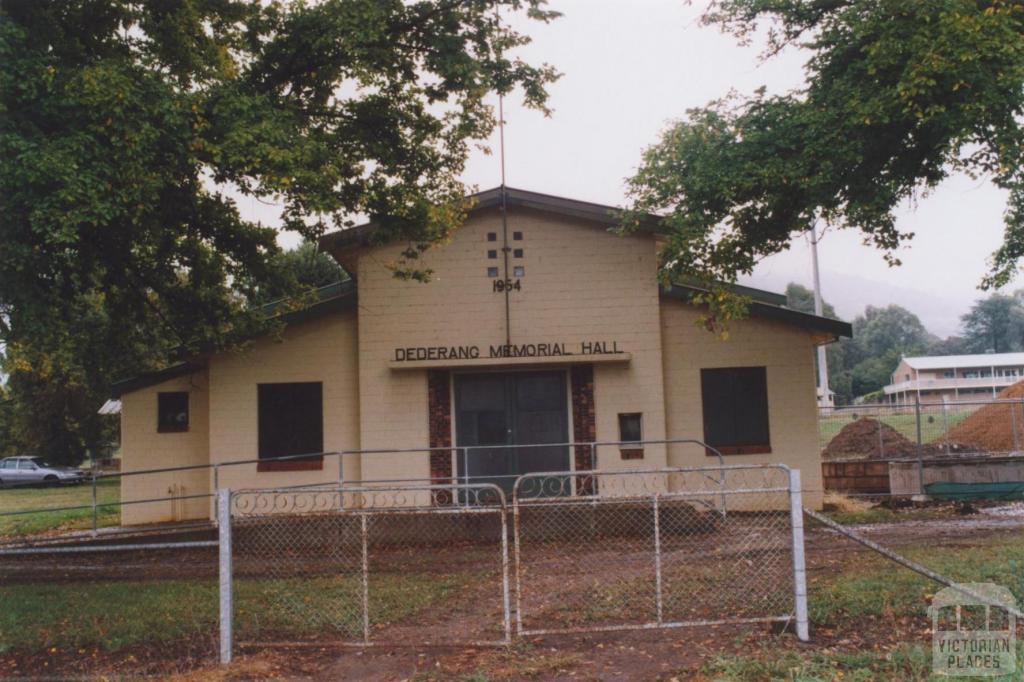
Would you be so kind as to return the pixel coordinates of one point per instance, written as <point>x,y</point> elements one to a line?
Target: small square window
<point>519,271</point>
<point>492,253</point>
<point>518,253</point>
<point>172,412</point>
<point>630,430</point>
<point>492,272</point>
<point>492,236</point>
<point>517,236</point>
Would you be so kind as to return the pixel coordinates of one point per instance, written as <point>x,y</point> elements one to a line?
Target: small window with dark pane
<point>735,404</point>
<point>517,253</point>
<point>172,412</point>
<point>492,272</point>
<point>629,428</point>
<point>517,236</point>
<point>290,422</point>
<point>492,253</point>
<point>492,236</point>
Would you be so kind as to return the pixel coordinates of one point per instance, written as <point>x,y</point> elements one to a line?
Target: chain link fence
<point>650,549</point>
<point>951,429</point>
<point>940,450</point>
<point>403,564</point>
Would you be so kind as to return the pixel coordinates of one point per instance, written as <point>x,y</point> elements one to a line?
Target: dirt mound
<point>991,428</point>
<point>861,438</point>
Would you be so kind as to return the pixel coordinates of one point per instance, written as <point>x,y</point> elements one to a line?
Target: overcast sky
<point>630,66</point>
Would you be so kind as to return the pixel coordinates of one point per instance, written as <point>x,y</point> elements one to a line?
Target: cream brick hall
<point>539,326</point>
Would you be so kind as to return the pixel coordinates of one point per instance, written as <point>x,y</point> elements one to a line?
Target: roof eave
<point>769,311</point>
<point>146,379</point>
<point>361,236</point>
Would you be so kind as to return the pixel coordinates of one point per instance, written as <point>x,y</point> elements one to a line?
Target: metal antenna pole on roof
<point>504,219</point>
<point>819,310</point>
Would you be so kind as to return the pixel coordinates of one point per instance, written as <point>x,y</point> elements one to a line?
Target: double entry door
<point>498,410</point>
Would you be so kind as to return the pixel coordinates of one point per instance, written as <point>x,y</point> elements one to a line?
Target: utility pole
<point>823,400</point>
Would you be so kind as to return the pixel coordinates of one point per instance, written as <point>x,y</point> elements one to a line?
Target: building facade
<point>953,378</point>
<point>575,342</point>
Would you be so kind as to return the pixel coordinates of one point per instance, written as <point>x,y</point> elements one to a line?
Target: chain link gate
<point>422,564</point>
<point>603,550</point>
<point>401,564</point>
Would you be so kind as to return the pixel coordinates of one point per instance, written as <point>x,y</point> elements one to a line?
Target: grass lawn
<point>113,615</point>
<point>871,586</point>
<point>880,514</point>
<point>20,499</point>
<point>906,663</point>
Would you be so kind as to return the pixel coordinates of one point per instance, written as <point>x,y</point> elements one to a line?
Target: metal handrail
<point>466,450</point>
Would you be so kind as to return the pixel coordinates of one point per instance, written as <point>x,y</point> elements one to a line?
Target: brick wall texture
<point>584,420</point>
<point>439,411</point>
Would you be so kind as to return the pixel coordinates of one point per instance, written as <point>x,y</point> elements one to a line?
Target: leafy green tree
<point>898,95</point>
<point>305,267</point>
<point>799,297</point>
<point>995,324</point>
<point>126,128</point>
<point>952,345</point>
<point>863,364</point>
<point>883,330</point>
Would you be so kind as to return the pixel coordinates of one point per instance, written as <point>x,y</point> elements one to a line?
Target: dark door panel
<point>517,408</point>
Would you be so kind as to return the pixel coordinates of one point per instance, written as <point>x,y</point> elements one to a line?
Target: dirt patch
<point>644,655</point>
<point>991,428</point>
<point>870,438</point>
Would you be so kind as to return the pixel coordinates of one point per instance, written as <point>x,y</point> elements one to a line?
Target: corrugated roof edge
<point>767,307</point>
<point>119,388</point>
<point>330,298</point>
<point>361,235</point>
<point>964,361</point>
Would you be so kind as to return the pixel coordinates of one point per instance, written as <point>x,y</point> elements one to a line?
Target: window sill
<point>304,464</point>
<point>739,450</point>
<point>631,453</point>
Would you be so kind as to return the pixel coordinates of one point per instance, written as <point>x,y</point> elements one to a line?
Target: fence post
<point>366,579</point>
<point>945,424</point>
<point>226,606</point>
<point>1013,427</point>
<point>465,472</point>
<point>920,454</point>
<point>216,487</point>
<point>657,559</point>
<point>796,516</point>
<point>881,444</point>
<point>95,518</point>
<point>506,605</point>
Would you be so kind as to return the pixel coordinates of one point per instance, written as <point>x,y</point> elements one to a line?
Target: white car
<point>35,470</point>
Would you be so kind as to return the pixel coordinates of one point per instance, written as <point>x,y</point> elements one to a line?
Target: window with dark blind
<point>290,422</point>
<point>172,412</point>
<point>735,403</point>
<point>631,433</point>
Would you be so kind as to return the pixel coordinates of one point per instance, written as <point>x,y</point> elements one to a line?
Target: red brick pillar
<point>584,422</point>
<point>439,410</point>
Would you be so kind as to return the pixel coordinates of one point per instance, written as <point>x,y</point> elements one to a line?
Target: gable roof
<point>964,361</point>
<point>600,214</point>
